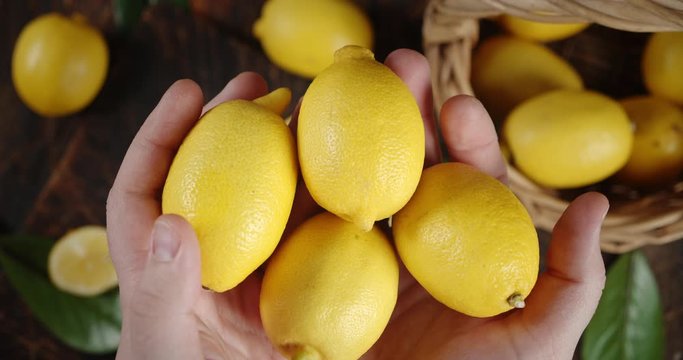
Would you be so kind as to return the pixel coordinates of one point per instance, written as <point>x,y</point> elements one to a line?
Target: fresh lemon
<point>59,64</point>
<point>233,179</point>
<point>361,139</point>
<point>329,291</point>
<point>663,65</point>
<point>79,262</point>
<point>508,70</point>
<point>569,138</point>
<point>301,36</point>
<point>657,155</point>
<point>468,241</point>
<point>540,31</point>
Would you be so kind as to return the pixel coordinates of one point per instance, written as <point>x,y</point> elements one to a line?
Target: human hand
<point>168,315</point>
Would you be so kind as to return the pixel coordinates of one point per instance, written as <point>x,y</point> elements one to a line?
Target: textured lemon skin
<point>301,36</point>
<point>467,240</point>
<point>540,31</point>
<point>360,138</point>
<point>662,65</point>
<point>506,71</point>
<point>330,289</point>
<point>234,179</point>
<point>569,138</point>
<point>657,155</point>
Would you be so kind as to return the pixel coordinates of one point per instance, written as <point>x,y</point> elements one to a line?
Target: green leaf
<point>90,325</point>
<point>127,12</point>
<point>628,323</point>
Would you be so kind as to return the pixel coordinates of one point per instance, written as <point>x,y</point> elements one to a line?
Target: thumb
<point>161,317</point>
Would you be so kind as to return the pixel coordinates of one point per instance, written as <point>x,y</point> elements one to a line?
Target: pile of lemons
<point>331,286</point>
<point>562,135</point>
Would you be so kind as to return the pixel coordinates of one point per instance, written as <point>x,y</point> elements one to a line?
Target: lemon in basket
<point>569,138</point>
<point>361,139</point>
<point>468,241</point>
<point>301,36</point>
<point>508,70</point>
<point>663,65</point>
<point>540,31</point>
<point>79,262</point>
<point>657,156</point>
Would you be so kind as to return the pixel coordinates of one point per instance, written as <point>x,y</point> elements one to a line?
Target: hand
<point>166,313</point>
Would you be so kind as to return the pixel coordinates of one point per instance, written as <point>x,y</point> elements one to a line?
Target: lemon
<point>540,31</point>
<point>233,179</point>
<point>59,64</point>
<point>508,70</point>
<point>79,262</point>
<point>301,36</point>
<point>468,241</point>
<point>329,291</point>
<point>569,138</point>
<point>657,155</point>
<point>361,139</point>
<point>663,65</point>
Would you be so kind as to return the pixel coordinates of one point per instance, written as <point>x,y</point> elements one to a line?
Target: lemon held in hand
<point>657,155</point>
<point>468,241</point>
<point>361,139</point>
<point>59,64</point>
<point>233,179</point>
<point>301,36</point>
<point>329,290</point>
<point>79,262</point>
<point>569,138</point>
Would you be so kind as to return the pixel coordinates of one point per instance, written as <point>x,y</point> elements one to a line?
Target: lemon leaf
<point>628,323</point>
<point>90,325</point>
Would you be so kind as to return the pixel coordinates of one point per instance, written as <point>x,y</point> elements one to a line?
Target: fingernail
<point>165,242</point>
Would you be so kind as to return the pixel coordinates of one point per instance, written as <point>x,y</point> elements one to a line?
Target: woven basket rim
<point>450,32</point>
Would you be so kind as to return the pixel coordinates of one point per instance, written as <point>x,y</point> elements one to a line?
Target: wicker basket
<point>451,30</point>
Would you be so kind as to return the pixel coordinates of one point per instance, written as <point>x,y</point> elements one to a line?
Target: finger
<point>470,136</point>
<point>247,85</point>
<point>133,202</point>
<point>567,294</point>
<point>161,313</point>
<point>413,68</point>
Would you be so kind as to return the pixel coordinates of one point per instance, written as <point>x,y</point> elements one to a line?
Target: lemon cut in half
<point>79,262</point>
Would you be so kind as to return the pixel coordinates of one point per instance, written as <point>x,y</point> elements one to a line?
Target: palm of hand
<point>228,325</point>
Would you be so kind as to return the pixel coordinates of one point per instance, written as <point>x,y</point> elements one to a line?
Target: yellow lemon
<point>507,71</point>
<point>59,64</point>
<point>329,291</point>
<point>360,138</point>
<point>657,155</point>
<point>301,36</point>
<point>569,138</point>
<point>79,262</point>
<point>540,31</point>
<point>233,179</point>
<point>663,65</point>
<point>468,241</point>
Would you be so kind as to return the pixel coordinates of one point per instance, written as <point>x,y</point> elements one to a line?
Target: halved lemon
<point>79,262</point>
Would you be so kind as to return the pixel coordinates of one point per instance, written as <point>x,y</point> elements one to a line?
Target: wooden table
<point>55,173</point>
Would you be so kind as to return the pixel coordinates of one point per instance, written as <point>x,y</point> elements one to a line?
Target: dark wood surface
<point>55,173</point>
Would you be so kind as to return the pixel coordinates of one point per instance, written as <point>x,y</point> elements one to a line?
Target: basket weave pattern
<point>451,30</point>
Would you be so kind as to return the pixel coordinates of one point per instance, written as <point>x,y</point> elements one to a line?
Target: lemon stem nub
<point>517,301</point>
<point>275,101</point>
<point>301,352</point>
